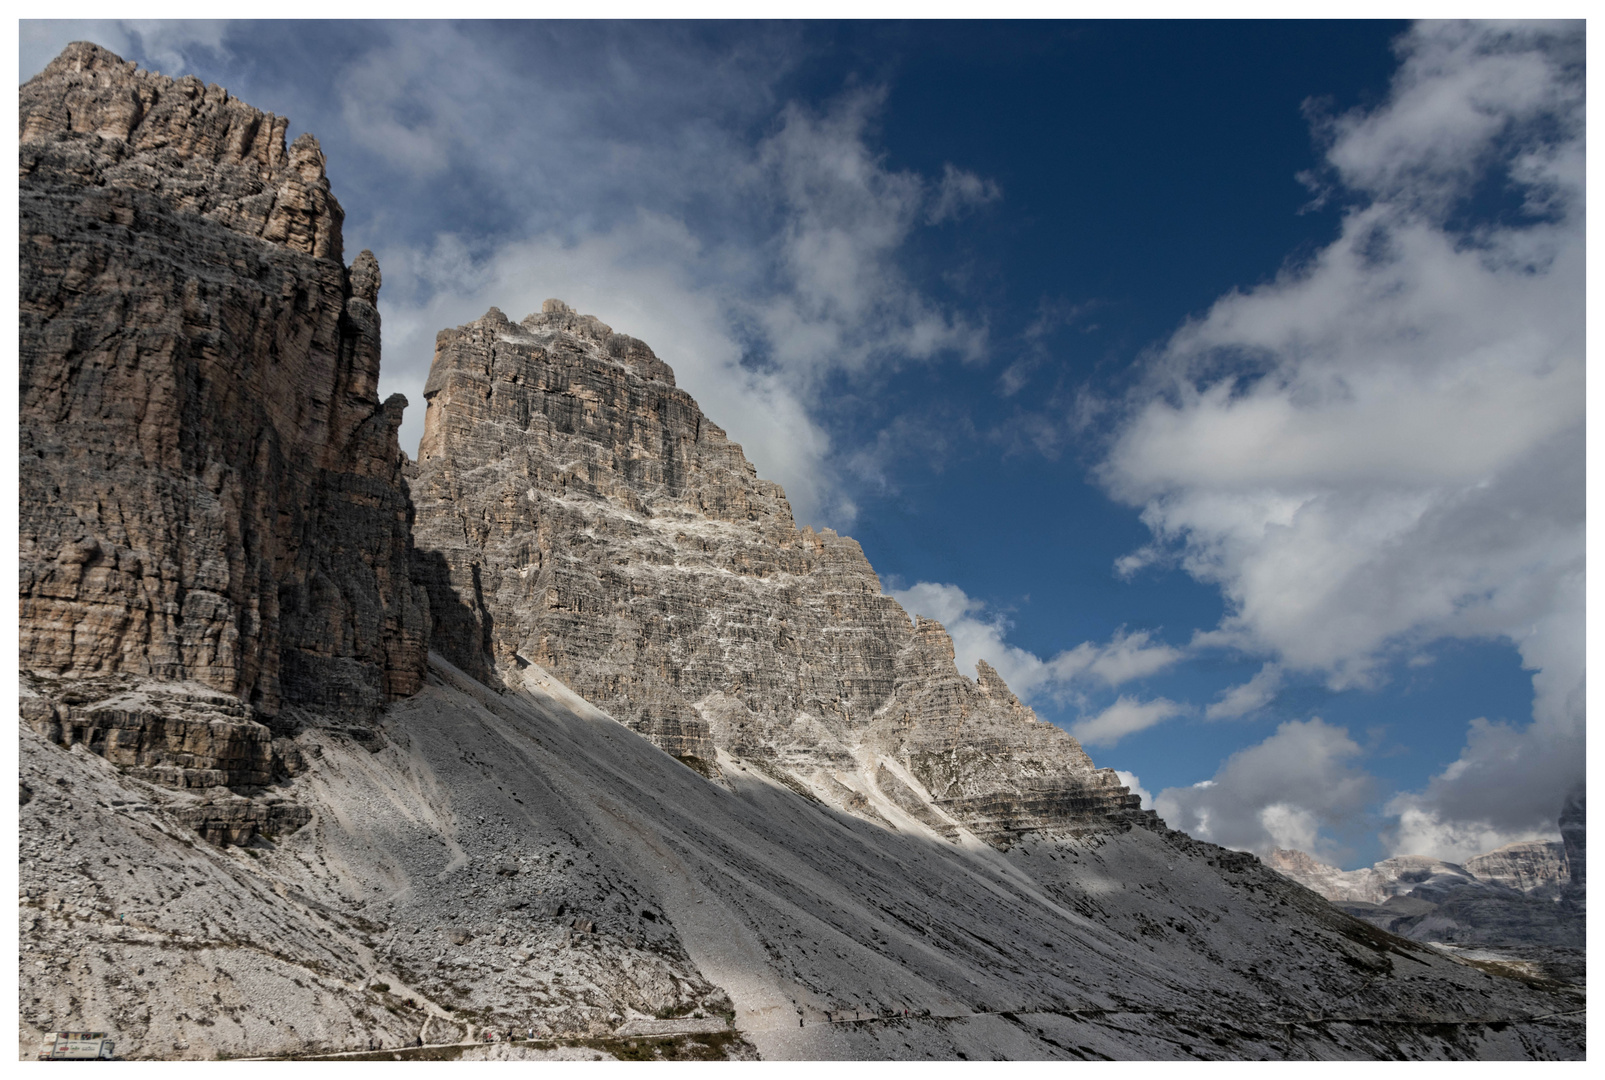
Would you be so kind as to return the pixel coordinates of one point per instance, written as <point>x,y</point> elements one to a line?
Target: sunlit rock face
<point>582,514</point>
<point>211,490</point>
<point>1526,866</point>
<point>1365,885</point>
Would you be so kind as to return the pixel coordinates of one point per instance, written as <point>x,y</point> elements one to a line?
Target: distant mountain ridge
<point>1531,893</point>
<point>1523,866</point>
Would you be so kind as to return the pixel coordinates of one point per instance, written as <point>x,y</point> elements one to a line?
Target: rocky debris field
<point>516,859</point>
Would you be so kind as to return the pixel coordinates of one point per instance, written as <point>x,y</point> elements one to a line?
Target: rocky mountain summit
<point>1533,864</point>
<point>565,730</point>
<point>596,523</point>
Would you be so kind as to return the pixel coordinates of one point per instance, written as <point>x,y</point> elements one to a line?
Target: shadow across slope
<point>836,937</point>
<point>516,860</point>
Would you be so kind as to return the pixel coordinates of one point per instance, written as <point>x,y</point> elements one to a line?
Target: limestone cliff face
<point>1526,866</point>
<point>577,511</point>
<point>211,489</point>
<point>215,532</point>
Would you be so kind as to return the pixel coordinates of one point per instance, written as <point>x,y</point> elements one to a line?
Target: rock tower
<point>211,488</point>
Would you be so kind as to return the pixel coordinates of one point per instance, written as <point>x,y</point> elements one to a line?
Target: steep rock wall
<point>1526,866</point>
<point>211,489</point>
<point>515,860</point>
<point>577,511</point>
<point>1573,837</point>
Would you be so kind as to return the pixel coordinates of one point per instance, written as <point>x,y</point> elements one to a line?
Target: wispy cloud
<point>1091,666</point>
<point>959,192</point>
<point>1126,716</point>
<point>758,267</point>
<point>842,301</point>
<point>1249,697</point>
<point>1035,352</point>
<point>1126,656</point>
<point>170,46</point>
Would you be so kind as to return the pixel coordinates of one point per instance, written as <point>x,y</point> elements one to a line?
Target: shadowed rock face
<point>180,735</point>
<point>1573,830</point>
<point>211,489</point>
<point>589,519</point>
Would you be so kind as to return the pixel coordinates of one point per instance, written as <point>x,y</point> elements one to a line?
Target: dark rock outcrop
<point>240,821</point>
<point>212,492</point>
<point>180,735</point>
<point>1573,838</point>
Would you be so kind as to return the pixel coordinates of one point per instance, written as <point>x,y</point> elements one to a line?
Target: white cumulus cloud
<point>1384,445</point>
<point>1281,792</point>
<point>979,635</point>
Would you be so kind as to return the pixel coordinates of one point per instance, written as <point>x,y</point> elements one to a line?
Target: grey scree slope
<point>450,863</point>
<point>804,819</point>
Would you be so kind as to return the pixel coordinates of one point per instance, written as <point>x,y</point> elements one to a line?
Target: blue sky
<point>1221,383</point>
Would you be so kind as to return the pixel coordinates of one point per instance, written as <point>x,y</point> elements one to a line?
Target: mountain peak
<point>597,524</point>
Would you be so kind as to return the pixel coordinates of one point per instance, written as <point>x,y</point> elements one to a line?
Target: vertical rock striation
<point>578,512</point>
<point>216,532</point>
<point>211,489</point>
<point>1573,835</point>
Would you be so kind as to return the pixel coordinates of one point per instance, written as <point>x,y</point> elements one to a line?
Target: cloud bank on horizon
<point>1379,449</point>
